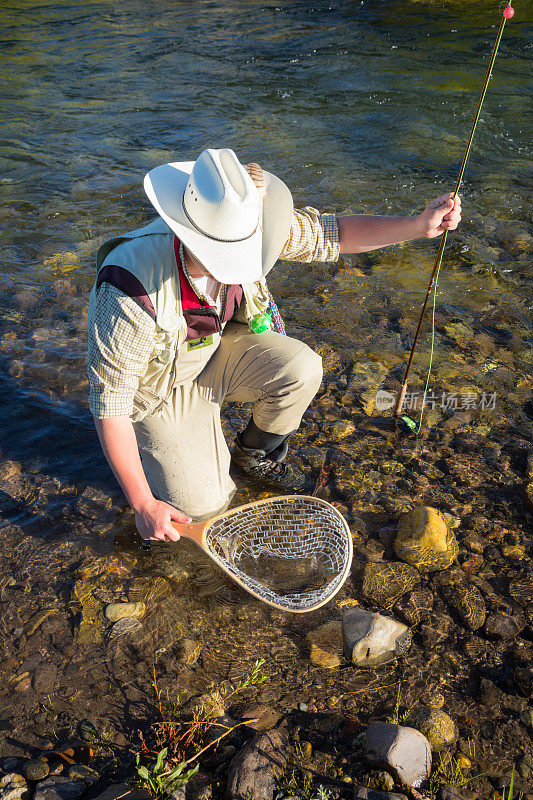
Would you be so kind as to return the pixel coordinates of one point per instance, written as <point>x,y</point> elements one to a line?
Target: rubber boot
<point>265,464</point>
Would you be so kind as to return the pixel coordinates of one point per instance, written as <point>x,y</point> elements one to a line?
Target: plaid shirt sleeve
<point>120,343</point>
<point>313,237</point>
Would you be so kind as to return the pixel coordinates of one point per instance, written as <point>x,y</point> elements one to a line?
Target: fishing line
<point>508,13</point>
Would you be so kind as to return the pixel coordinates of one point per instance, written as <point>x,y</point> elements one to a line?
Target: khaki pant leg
<point>184,454</point>
<point>280,375</point>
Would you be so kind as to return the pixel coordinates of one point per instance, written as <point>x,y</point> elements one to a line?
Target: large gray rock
<point>371,639</point>
<point>364,793</point>
<point>253,772</point>
<point>404,752</point>
<point>58,788</point>
<point>124,792</point>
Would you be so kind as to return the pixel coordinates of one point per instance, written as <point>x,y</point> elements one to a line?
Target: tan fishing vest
<point>148,254</point>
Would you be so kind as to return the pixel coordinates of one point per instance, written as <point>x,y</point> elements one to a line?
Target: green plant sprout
<point>396,718</point>
<point>179,742</point>
<point>448,771</point>
<point>160,781</point>
<point>510,789</point>
<point>297,777</point>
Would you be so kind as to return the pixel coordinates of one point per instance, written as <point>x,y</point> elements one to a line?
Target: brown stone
<point>425,540</point>
<point>261,717</point>
<point>439,729</point>
<point>385,582</point>
<point>326,644</point>
<point>415,606</point>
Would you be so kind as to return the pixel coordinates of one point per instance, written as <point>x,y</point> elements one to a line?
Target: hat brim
<point>228,262</point>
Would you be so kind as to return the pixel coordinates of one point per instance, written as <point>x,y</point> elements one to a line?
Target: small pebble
<point>514,551</point>
<point>116,611</point>
<point>379,779</point>
<point>463,763</point>
<point>307,750</point>
<point>88,730</point>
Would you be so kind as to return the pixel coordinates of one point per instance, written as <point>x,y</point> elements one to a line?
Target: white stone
<point>14,787</point>
<point>404,752</point>
<point>116,611</point>
<point>371,639</point>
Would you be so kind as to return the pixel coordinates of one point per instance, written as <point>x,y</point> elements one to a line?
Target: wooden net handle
<point>193,530</point>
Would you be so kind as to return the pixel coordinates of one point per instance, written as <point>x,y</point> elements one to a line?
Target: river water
<point>360,107</point>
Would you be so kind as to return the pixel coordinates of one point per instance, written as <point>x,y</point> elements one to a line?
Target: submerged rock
<point>326,644</point>
<point>371,639</point>
<point>93,502</point>
<point>116,611</point>
<point>385,582</point>
<point>83,773</point>
<point>89,631</point>
<point>502,626</point>
<point>364,793</point>
<point>125,627</point>
<point>58,788</point>
<point>439,729</point>
<point>467,601</point>
<point>405,752</point>
<point>190,651</point>
<point>45,678</point>
<point>425,540</point>
<point>340,430</point>
<point>521,590</point>
<point>261,717</point>
<point>366,379</point>
<point>436,628</point>
<point>415,606</point>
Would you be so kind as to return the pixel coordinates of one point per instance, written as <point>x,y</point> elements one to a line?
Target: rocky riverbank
<point>432,631</point>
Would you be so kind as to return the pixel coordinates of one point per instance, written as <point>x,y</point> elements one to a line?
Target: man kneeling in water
<point>172,328</point>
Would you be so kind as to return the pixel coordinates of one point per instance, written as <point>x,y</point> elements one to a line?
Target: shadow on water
<point>53,436</point>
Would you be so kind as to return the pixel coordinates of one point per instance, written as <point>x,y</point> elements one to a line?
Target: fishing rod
<point>508,13</point>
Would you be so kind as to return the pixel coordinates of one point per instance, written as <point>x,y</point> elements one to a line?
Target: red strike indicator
<point>508,12</point>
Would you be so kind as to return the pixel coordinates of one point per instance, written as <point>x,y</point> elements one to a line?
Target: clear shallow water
<point>357,106</point>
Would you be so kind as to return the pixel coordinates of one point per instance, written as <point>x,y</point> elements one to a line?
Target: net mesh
<point>292,552</point>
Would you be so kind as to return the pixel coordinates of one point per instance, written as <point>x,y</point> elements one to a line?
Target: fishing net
<point>291,552</point>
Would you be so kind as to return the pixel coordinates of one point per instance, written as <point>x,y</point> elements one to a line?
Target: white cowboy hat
<point>214,207</point>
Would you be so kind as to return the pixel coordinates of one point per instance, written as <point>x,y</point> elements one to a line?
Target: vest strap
<point>123,280</point>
